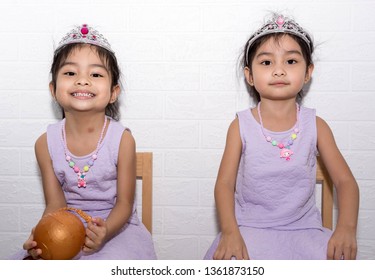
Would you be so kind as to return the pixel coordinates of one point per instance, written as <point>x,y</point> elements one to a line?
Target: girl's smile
<point>83,95</point>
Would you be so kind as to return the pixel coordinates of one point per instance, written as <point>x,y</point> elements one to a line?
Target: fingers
<point>245,254</point>
<point>35,253</point>
<point>338,255</point>
<point>341,252</point>
<point>330,251</point>
<point>30,247</point>
<point>349,253</point>
<point>29,244</point>
<point>87,249</point>
<point>95,235</point>
<point>240,254</point>
<point>90,239</point>
<point>219,254</point>
<point>346,253</point>
<point>231,247</point>
<point>98,221</point>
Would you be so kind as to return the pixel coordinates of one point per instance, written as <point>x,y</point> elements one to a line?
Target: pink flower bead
<point>94,157</point>
<point>268,138</point>
<point>76,169</point>
<point>281,145</point>
<point>68,158</point>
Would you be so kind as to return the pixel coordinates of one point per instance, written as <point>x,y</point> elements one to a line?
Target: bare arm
<point>343,241</point>
<point>126,180</point>
<point>231,243</point>
<point>53,194</point>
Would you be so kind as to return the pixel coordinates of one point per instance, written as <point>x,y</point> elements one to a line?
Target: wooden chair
<point>322,177</point>
<point>144,173</point>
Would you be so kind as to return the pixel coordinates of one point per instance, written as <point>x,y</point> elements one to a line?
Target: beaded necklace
<point>285,151</point>
<point>81,174</point>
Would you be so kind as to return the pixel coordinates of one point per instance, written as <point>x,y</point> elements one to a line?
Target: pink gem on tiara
<point>84,34</point>
<point>280,21</point>
<point>84,29</point>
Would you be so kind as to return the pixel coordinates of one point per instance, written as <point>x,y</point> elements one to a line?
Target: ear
<point>249,76</point>
<point>52,90</point>
<point>309,72</point>
<point>115,93</point>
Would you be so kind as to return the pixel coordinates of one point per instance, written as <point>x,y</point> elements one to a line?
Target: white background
<point>181,91</point>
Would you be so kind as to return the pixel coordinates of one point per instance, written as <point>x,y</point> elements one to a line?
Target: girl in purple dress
<point>87,160</point>
<point>265,186</point>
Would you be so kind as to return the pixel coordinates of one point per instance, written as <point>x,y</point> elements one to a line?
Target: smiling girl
<point>87,160</point>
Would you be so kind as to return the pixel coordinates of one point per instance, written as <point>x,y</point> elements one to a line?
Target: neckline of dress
<point>276,132</point>
<point>93,152</point>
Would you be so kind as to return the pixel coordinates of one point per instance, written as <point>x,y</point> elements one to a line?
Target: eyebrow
<point>90,65</point>
<point>287,52</point>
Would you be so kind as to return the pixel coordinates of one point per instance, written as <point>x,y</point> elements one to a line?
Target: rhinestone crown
<point>84,34</point>
<point>280,24</point>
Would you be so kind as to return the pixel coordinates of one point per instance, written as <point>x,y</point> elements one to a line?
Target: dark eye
<point>97,75</point>
<point>291,61</point>
<point>266,62</point>
<point>69,73</point>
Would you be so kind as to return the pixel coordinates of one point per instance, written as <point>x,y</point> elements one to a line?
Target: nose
<point>82,81</point>
<point>279,71</point>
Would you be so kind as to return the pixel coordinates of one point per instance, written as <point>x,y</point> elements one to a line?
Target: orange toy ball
<point>60,235</point>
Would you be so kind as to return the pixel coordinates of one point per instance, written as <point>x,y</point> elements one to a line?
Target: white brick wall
<point>181,92</point>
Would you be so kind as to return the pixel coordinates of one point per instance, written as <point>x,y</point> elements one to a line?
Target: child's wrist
<point>347,227</point>
<point>229,229</point>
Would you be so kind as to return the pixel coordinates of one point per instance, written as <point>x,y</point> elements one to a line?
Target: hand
<point>343,244</point>
<point>231,246</point>
<point>30,245</point>
<point>96,233</point>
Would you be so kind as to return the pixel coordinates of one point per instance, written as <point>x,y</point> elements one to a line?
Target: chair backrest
<point>322,177</point>
<point>144,173</point>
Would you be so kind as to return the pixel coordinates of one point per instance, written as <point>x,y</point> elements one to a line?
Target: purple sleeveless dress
<point>133,241</point>
<point>275,198</point>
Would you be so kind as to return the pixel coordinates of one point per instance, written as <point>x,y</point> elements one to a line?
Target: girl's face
<point>279,70</point>
<point>83,83</point>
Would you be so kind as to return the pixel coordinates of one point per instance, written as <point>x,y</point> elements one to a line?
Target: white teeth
<point>83,94</point>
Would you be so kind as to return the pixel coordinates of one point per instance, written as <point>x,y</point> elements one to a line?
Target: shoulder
<point>234,134</point>
<point>324,135</point>
<point>234,127</point>
<point>41,149</point>
<point>127,149</point>
<point>127,137</point>
<point>41,141</point>
<point>322,125</point>
<point>127,143</point>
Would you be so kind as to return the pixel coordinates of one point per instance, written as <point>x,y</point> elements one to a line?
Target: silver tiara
<point>279,24</point>
<point>84,34</point>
